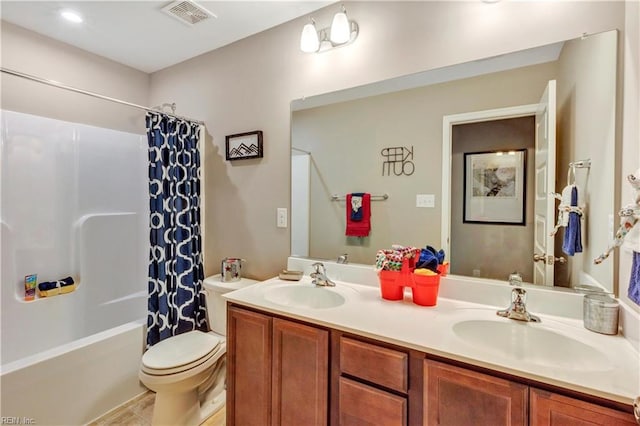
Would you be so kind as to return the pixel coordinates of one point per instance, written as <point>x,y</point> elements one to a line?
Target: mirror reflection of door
<point>485,249</point>
<point>545,163</point>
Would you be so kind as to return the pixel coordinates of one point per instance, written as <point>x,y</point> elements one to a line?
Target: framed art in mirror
<point>244,145</point>
<point>494,187</point>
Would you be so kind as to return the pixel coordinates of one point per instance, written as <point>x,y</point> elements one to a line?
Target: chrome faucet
<point>518,308</point>
<point>343,258</point>
<point>320,276</point>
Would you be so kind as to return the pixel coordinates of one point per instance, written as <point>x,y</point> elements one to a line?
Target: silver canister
<point>600,313</point>
<point>231,269</point>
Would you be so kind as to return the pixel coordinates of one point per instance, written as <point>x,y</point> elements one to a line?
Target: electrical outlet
<point>476,272</point>
<point>425,200</point>
<point>281,217</point>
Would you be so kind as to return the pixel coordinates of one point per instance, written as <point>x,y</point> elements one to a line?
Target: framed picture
<point>244,145</point>
<point>494,187</point>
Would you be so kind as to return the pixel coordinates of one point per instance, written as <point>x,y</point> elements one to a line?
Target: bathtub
<point>75,383</point>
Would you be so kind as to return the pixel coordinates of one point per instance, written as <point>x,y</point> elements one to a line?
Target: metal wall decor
<point>244,145</point>
<point>397,160</point>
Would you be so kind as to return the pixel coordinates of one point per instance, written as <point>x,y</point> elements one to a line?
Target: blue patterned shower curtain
<point>176,301</point>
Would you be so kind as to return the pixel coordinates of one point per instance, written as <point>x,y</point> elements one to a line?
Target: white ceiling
<point>139,34</point>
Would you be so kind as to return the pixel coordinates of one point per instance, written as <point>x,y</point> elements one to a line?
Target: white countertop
<point>608,367</point>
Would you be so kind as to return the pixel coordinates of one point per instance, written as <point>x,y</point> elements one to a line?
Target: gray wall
<point>587,129</point>
<point>31,53</point>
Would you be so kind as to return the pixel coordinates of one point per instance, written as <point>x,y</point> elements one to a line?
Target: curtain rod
<point>95,95</point>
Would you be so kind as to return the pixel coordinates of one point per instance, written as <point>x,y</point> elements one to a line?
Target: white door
<point>545,175</point>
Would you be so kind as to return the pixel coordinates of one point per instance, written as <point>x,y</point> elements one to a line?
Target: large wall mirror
<point>435,120</point>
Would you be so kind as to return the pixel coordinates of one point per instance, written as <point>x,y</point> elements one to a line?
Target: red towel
<point>362,227</point>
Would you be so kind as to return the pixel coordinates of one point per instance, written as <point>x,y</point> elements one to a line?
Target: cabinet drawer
<point>360,404</point>
<point>382,366</point>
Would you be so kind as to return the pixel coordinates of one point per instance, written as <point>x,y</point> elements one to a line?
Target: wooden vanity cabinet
<point>373,383</point>
<point>283,372</point>
<point>278,371</point>
<point>459,396</point>
<point>551,409</point>
<point>360,404</point>
<point>456,396</point>
<point>300,379</point>
<point>248,368</point>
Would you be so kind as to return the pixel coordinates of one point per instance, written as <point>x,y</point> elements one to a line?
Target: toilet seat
<point>180,353</point>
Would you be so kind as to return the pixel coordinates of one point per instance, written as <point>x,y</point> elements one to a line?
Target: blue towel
<point>356,214</point>
<point>65,281</point>
<point>47,285</point>
<point>427,260</point>
<point>572,243</point>
<point>634,282</point>
<point>439,254</point>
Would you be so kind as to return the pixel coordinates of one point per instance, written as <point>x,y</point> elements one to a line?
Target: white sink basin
<point>303,296</point>
<point>531,343</point>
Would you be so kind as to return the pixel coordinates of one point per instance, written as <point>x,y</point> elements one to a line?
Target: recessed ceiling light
<point>71,16</point>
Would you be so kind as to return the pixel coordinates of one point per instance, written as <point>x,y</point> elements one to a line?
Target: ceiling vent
<point>188,12</point>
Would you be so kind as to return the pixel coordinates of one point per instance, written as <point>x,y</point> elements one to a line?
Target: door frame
<point>448,121</point>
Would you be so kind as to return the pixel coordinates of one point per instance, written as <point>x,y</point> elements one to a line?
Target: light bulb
<point>309,41</point>
<point>340,28</point>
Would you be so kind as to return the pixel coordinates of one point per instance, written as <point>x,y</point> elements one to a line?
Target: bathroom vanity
<point>298,354</point>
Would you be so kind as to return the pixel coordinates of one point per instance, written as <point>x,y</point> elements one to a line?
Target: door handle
<point>549,260</point>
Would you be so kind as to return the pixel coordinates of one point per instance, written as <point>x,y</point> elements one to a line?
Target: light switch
<point>425,200</point>
<point>281,217</point>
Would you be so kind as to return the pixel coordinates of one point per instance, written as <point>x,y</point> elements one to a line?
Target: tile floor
<point>138,412</point>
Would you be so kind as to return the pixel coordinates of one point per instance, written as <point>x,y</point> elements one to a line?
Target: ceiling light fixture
<point>342,32</point>
<point>310,41</point>
<point>71,16</point>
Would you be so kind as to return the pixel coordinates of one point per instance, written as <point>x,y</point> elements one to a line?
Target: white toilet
<point>187,372</point>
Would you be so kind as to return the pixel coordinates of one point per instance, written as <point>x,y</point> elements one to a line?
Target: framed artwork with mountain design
<point>244,145</point>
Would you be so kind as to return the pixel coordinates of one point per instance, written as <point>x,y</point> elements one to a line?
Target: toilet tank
<point>216,304</point>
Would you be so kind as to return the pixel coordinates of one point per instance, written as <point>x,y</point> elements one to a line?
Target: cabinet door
<point>300,374</point>
<point>457,396</point>
<point>552,409</point>
<point>249,368</point>
<point>360,405</point>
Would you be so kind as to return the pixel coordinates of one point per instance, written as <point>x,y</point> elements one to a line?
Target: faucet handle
<point>319,267</point>
<point>515,278</point>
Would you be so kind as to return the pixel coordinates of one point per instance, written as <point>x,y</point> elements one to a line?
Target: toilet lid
<point>180,350</point>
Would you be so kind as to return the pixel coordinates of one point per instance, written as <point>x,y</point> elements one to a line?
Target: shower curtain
<point>176,300</point>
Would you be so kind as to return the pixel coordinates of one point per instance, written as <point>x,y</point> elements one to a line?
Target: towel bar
<point>382,197</point>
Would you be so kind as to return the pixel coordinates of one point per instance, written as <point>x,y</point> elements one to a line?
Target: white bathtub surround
<point>78,382</point>
<point>611,361</point>
<point>74,203</point>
